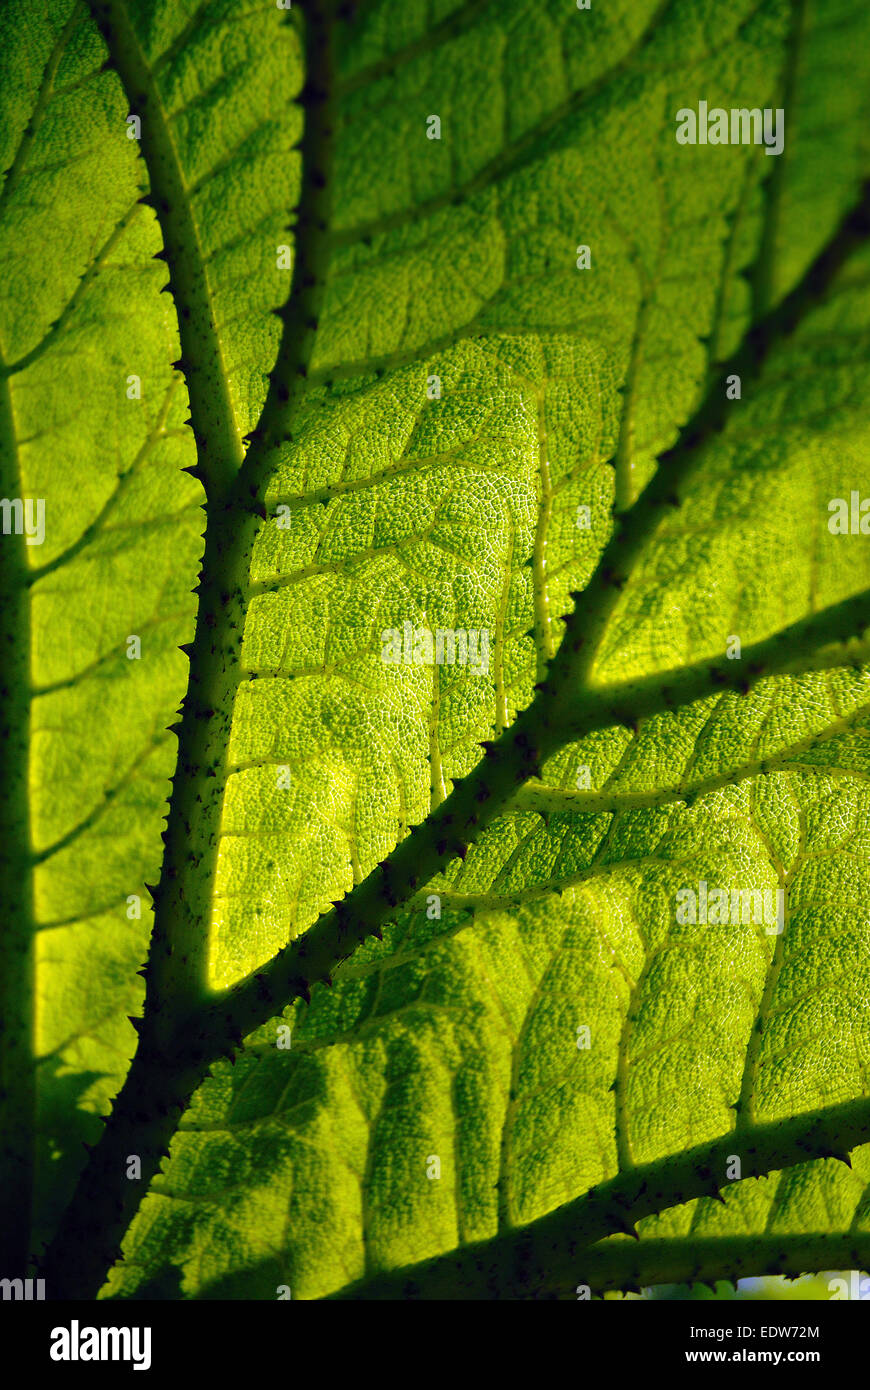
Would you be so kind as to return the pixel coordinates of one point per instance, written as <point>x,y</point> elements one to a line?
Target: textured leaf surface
<point>80,311</point>
<point>389,503</point>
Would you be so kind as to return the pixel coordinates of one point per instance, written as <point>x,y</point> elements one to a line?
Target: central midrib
<point>219,445</point>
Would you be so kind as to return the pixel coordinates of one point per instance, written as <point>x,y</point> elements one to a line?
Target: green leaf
<point>452,426</point>
<point>86,755</point>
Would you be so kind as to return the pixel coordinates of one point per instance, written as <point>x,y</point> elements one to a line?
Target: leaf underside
<point>446,425</point>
